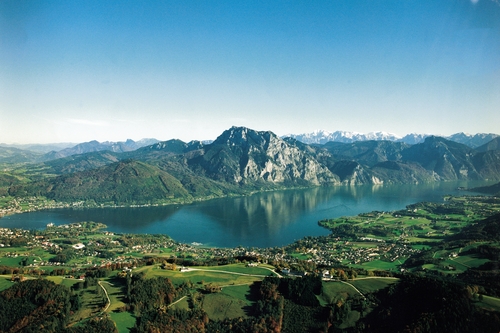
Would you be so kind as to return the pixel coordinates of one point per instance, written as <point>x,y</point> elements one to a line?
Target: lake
<point>262,220</point>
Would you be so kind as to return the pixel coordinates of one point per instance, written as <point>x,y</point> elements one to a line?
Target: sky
<point>75,71</point>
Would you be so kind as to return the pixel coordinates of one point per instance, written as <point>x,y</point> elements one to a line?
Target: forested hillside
<point>241,161</point>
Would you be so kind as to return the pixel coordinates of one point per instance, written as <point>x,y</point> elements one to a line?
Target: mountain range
<point>240,161</point>
<point>322,137</point>
<point>19,153</point>
<point>29,153</point>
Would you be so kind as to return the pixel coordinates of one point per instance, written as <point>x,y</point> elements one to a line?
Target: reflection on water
<point>261,220</point>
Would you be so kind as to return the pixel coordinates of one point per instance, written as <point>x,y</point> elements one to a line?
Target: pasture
<point>115,294</point>
<point>378,264</point>
<point>124,321</point>
<point>334,291</point>
<point>372,284</point>
<point>235,274</point>
<point>219,306</point>
<point>5,282</point>
<point>490,303</point>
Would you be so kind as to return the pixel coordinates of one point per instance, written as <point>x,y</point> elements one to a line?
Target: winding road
<point>106,293</point>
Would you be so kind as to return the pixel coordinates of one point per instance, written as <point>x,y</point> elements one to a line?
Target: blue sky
<point>74,71</point>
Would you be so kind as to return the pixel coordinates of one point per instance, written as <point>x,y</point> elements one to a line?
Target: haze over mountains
<point>323,137</point>
<point>239,161</point>
<point>58,150</point>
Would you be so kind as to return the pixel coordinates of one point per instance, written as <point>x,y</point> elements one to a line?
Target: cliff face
<point>242,155</point>
<point>242,160</point>
<point>449,160</point>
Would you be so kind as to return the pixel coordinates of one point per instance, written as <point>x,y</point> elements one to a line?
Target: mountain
<point>93,146</point>
<point>16,155</point>
<point>447,159</point>
<point>367,152</point>
<point>491,145</point>
<point>81,162</point>
<point>492,189</point>
<point>414,138</point>
<point>243,160</point>
<point>125,182</point>
<point>322,137</point>
<point>164,148</point>
<point>40,148</point>
<point>472,141</point>
<point>241,155</point>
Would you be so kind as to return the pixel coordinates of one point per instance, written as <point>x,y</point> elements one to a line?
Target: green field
<point>115,293</point>
<point>235,274</point>
<point>5,282</point>
<point>221,305</point>
<point>334,291</point>
<point>490,303</point>
<point>242,269</point>
<point>380,265</point>
<point>372,284</point>
<point>11,261</point>
<point>241,292</point>
<point>124,321</point>
<point>182,304</point>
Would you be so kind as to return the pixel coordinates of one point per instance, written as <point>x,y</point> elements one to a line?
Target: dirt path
<point>220,271</point>
<point>106,293</point>
<point>180,299</point>
<point>354,288</point>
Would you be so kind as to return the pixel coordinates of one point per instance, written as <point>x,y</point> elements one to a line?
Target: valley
<point>324,243</point>
<point>239,162</point>
<point>363,255</point>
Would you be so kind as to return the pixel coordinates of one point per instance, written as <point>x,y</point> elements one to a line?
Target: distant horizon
<point>82,70</point>
<point>212,139</point>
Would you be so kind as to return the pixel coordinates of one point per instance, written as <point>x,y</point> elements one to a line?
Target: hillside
<point>94,146</point>
<point>242,161</point>
<point>493,189</point>
<point>241,155</point>
<point>16,155</point>
<point>126,182</point>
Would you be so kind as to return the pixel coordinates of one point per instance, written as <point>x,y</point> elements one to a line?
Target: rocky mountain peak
<point>244,137</point>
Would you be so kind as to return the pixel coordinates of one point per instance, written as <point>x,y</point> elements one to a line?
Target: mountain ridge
<point>242,160</point>
<point>322,137</point>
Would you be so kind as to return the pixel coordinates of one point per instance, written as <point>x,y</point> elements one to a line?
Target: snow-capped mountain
<point>322,137</point>
<point>414,138</point>
<point>473,141</point>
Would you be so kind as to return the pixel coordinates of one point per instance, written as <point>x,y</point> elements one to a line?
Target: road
<point>107,296</point>
<point>188,269</point>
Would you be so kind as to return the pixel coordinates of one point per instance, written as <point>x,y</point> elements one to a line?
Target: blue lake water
<point>261,220</point>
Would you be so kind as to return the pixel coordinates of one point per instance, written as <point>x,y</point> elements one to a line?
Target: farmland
<point>363,255</point>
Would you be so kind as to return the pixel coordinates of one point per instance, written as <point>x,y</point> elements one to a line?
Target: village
<point>369,241</point>
<point>85,245</point>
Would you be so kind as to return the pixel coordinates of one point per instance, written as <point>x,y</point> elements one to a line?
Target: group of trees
<point>429,304</point>
<point>35,305</point>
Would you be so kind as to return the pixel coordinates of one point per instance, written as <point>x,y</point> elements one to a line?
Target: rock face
<point>243,156</point>
<point>242,160</point>
<point>449,160</point>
